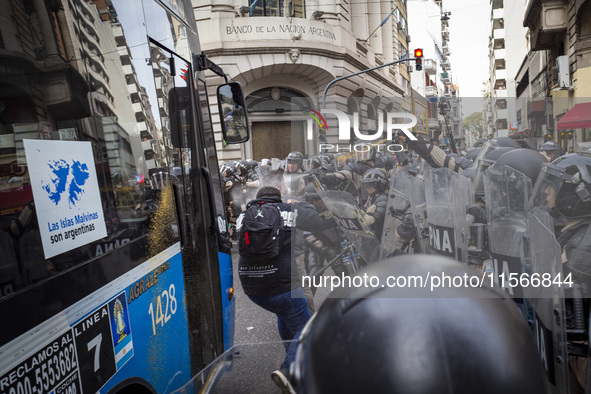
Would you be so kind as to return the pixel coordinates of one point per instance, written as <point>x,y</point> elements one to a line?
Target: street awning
<point>577,118</point>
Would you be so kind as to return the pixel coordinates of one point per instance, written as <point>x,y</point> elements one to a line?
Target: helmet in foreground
<point>394,340</point>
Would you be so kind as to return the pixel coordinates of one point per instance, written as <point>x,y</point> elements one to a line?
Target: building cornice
<point>346,57</point>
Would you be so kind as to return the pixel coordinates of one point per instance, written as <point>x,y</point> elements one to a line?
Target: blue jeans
<point>292,313</point>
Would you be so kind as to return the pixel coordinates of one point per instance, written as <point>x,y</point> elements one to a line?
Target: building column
<point>388,40</point>
<point>223,9</point>
<point>359,20</point>
<point>330,11</point>
<point>375,18</point>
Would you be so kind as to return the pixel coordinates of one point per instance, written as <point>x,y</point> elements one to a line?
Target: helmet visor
<point>547,186</point>
<point>340,160</point>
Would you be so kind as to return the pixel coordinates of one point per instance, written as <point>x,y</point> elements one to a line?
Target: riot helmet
<point>312,163</point>
<point>242,167</point>
<point>294,158</point>
<point>471,155</point>
<point>310,193</point>
<point>469,173</point>
<point>527,161</point>
<point>402,337</point>
<point>252,164</point>
<point>365,151</point>
<point>564,186</point>
<point>551,150</point>
<point>227,170</point>
<point>509,182</point>
<point>505,142</point>
<point>550,145</point>
<point>483,164</point>
<point>340,160</point>
<point>480,142</point>
<point>375,177</point>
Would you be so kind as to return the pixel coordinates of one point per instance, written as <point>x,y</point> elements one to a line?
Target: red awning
<point>577,118</point>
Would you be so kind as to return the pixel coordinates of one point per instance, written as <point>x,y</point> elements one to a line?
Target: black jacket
<point>274,277</point>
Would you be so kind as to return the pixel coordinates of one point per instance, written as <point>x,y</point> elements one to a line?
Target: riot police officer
<point>295,180</point>
<point>551,150</point>
<point>374,188</point>
<point>565,187</point>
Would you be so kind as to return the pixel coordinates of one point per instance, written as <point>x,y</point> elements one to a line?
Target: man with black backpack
<point>267,272</point>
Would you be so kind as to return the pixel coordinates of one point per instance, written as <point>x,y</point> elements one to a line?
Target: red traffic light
<point>418,59</point>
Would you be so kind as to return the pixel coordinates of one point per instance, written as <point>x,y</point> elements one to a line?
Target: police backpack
<point>261,235</point>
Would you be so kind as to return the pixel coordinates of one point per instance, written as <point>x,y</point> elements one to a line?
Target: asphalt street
<point>253,323</point>
<point>258,350</point>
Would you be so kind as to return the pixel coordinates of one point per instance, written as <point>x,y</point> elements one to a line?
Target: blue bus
<point>115,273</point>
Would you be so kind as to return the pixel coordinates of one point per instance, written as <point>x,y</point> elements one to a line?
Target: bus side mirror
<point>233,116</point>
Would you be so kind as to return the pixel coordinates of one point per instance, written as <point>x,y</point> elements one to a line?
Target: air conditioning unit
<point>563,72</point>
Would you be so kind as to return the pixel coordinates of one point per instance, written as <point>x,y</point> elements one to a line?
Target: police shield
<point>447,196</point>
<point>401,225</point>
<point>349,218</point>
<point>507,194</point>
<point>545,291</point>
<point>418,208</point>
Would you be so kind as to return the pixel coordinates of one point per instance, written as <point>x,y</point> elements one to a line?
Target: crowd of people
<point>508,182</point>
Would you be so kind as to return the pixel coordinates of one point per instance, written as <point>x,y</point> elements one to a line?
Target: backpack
<point>261,235</point>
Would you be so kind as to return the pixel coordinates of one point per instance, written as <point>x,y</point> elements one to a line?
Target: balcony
<point>430,66</point>
<point>499,34</point>
<point>501,93</point>
<point>545,19</point>
<point>500,74</point>
<point>498,13</point>
<point>501,114</point>
<point>430,91</point>
<point>148,145</point>
<point>500,54</point>
<point>137,107</point>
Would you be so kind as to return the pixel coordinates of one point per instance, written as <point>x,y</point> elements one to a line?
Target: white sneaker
<point>280,377</point>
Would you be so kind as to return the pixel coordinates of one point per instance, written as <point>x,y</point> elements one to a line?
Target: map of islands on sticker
<point>66,194</point>
<point>67,181</point>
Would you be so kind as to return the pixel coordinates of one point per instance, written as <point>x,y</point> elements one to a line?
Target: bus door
<point>219,220</point>
<point>181,131</point>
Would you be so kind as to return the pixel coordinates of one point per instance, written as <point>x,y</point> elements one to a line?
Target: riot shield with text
<point>507,194</point>
<point>397,209</point>
<point>463,196</point>
<point>446,197</point>
<point>546,292</point>
<point>405,215</point>
<point>349,218</point>
<point>418,206</point>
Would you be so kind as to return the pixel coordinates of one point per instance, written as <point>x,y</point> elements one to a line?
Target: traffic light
<point>570,134</point>
<point>418,59</point>
<point>549,137</point>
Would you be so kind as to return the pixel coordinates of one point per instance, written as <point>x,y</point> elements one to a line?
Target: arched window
<point>277,100</point>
